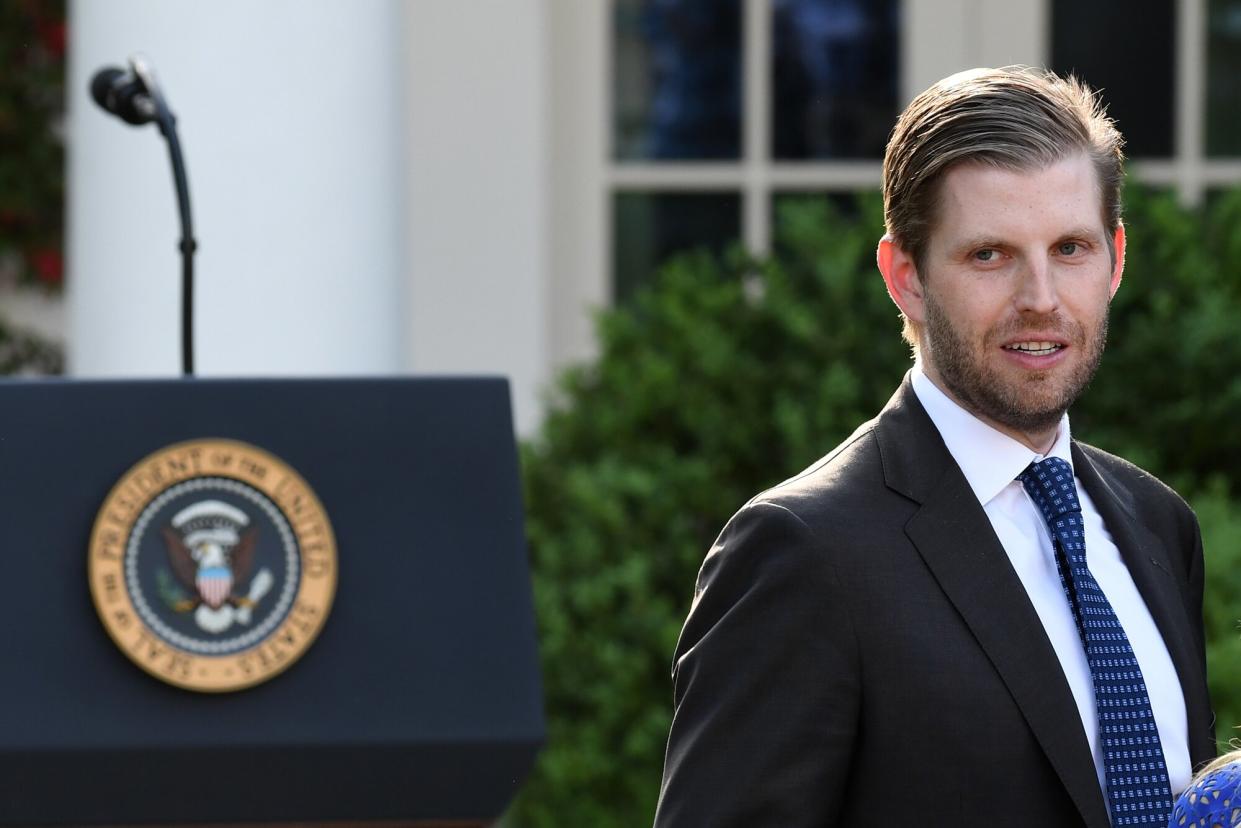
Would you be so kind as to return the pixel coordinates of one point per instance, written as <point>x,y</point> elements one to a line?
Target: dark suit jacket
<point>861,652</point>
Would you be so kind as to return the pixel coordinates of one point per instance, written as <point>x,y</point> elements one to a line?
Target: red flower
<point>49,265</point>
<point>52,33</point>
<point>48,23</point>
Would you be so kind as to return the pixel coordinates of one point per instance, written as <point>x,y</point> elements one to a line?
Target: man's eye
<point>1068,248</point>
<point>985,255</point>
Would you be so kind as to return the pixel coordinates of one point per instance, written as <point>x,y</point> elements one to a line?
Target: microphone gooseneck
<point>134,96</point>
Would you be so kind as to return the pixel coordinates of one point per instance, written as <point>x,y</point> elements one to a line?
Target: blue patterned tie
<point>1138,791</point>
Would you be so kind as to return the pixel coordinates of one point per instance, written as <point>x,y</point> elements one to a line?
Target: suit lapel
<point>954,537</point>
<point>1153,573</point>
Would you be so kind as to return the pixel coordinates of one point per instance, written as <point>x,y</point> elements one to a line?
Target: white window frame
<point>938,37</point>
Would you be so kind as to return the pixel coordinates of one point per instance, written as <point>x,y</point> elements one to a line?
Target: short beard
<point>1033,406</point>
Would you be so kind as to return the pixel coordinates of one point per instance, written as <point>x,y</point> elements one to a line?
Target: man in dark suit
<point>960,616</point>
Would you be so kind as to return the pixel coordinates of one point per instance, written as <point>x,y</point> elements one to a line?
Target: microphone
<point>135,98</point>
<point>124,94</point>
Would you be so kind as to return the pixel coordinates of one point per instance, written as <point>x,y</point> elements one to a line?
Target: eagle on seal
<point>211,551</point>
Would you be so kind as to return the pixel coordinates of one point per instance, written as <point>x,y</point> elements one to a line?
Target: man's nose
<point>1036,288</point>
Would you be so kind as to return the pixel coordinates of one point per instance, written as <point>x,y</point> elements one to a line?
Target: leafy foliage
<point>1220,518</point>
<point>26,353</point>
<point>1169,392</point>
<point>32,52</point>
<point>726,376</point>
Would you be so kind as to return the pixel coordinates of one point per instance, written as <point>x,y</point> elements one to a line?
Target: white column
<point>580,208</point>
<point>290,117</point>
<point>942,37</point>
<point>1191,100</point>
<point>478,171</point>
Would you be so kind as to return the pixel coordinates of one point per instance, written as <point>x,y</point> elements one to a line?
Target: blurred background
<point>657,217</point>
<point>427,185</point>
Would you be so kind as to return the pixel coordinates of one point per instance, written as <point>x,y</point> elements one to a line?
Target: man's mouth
<point>1034,348</point>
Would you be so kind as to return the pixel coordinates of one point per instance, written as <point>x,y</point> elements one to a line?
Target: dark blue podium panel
<point>420,699</point>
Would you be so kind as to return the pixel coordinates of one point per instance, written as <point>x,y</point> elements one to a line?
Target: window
<point>677,80</point>
<point>719,105</point>
<point>706,114</point>
<point>1223,48</point>
<point>1140,94</point>
<point>833,78</point>
<point>652,226</point>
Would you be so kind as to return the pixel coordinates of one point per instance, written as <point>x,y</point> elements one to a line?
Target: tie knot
<point>1050,484</point>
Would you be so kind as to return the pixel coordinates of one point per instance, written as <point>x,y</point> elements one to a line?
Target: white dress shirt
<point>991,462</point>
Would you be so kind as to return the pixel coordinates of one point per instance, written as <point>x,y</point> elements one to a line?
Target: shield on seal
<point>215,584</point>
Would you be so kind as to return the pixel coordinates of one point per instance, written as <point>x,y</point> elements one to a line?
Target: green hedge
<point>32,153</point>
<point>726,376</point>
<point>1220,517</point>
<point>32,168</point>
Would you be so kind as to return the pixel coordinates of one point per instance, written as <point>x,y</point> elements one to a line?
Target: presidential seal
<point>212,565</point>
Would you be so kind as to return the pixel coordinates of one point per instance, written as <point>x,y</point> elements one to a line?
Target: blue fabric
<point>1214,800</point>
<point>1138,792</point>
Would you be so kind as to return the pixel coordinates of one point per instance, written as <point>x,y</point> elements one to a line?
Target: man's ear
<point>1118,264</point>
<point>901,277</point>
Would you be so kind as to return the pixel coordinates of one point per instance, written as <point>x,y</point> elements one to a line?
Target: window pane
<point>1224,78</point>
<point>834,77</point>
<point>649,228</point>
<point>676,79</point>
<point>1129,52</point>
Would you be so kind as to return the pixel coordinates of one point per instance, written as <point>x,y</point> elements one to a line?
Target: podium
<point>415,699</point>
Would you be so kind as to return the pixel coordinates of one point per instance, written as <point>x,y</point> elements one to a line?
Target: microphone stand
<point>188,246</point>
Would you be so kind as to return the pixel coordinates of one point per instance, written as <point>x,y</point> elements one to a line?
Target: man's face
<point>1015,287</point>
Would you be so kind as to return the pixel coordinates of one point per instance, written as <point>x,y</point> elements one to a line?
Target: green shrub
<point>726,376</point>
<point>32,154</point>
<point>1220,517</point>
<point>1169,392</point>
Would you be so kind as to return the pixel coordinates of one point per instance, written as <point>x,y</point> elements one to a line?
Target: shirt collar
<point>988,458</point>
